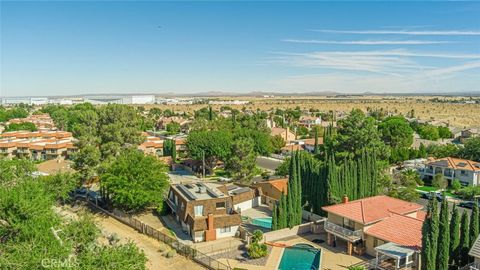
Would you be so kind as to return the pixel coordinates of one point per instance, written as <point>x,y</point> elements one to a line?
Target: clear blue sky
<point>64,48</point>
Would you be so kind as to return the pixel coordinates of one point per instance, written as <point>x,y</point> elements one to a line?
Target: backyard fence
<point>182,249</point>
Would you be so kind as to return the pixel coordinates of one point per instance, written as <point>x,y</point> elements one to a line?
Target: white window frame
<point>198,210</point>
<point>226,229</point>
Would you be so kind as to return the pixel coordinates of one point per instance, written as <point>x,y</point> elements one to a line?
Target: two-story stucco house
<point>466,171</point>
<point>387,228</point>
<point>207,211</point>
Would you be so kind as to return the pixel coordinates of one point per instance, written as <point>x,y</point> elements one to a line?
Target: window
<point>182,206</point>
<point>462,172</point>
<point>198,210</point>
<point>226,229</point>
<point>349,224</point>
<point>220,205</point>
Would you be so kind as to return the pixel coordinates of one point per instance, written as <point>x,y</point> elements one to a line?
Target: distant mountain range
<point>265,93</point>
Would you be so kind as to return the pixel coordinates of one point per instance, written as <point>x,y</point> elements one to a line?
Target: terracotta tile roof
<point>279,131</point>
<point>457,164</point>
<point>279,184</point>
<point>311,141</point>
<point>292,147</point>
<point>399,229</point>
<point>372,209</point>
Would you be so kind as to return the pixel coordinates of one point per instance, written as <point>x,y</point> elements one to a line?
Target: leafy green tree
<point>441,151</point>
<point>428,132</point>
<point>242,161</point>
<point>213,145</point>
<point>471,149</point>
<point>444,241</point>
<point>456,185</point>
<point>439,181</point>
<point>173,128</point>
<point>29,222</point>
<point>444,133</point>
<point>282,170</point>
<point>357,132</point>
<point>134,181</point>
<point>277,143</point>
<point>396,132</point>
<point>21,126</point>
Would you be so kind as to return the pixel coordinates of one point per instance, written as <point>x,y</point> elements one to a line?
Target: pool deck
<point>258,212</point>
<point>331,258</point>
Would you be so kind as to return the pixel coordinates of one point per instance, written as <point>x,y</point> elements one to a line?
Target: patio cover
<point>395,251</point>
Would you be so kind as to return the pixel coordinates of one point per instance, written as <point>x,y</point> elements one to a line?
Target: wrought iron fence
<point>171,241</point>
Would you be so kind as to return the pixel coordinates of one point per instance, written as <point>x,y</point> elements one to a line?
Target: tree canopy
<point>134,181</point>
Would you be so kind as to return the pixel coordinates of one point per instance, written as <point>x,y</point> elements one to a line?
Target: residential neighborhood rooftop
<point>372,209</point>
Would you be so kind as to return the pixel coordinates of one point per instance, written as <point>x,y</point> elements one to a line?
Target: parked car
<point>79,192</point>
<point>468,204</point>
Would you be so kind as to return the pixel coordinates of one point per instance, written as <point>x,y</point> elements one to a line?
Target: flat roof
<point>199,191</point>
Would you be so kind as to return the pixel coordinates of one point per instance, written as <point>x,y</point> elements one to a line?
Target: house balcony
<point>344,233</point>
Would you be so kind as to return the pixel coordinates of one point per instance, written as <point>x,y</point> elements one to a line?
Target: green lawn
<point>448,192</point>
<point>427,188</point>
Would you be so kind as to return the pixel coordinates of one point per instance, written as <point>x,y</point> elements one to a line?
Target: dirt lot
<point>456,114</point>
<point>149,245</point>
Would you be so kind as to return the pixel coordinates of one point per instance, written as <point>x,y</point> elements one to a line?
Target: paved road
<point>268,163</point>
<point>424,202</point>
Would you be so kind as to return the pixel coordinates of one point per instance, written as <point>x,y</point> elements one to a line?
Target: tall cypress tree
<point>474,224</point>
<point>283,213</point>
<point>274,217</point>
<point>430,237</point>
<point>173,150</point>
<point>210,113</point>
<point>299,190</point>
<point>316,149</point>
<point>291,191</point>
<point>444,239</point>
<point>464,240</point>
<point>454,235</point>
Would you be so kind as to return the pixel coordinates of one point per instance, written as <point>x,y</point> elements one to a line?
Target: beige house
<point>285,133</point>
<point>466,171</point>
<point>387,228</point>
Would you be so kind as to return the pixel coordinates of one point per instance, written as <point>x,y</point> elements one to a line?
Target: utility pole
<point>203,163</point>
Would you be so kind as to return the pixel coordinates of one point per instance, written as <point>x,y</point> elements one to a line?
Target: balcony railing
<point>342,232</point>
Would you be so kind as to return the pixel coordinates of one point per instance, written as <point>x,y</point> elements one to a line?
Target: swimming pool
<point>263,222</point>
<point>300,257</point>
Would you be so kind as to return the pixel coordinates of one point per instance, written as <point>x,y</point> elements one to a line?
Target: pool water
<point>263,222</point>
<point>300,257</point>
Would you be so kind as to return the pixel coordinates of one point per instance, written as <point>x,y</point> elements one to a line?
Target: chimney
<point>210,222</point>
<point>345,199</point>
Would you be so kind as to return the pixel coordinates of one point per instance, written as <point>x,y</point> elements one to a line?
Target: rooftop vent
<point>462,164</point>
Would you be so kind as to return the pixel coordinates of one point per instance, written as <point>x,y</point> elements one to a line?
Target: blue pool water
<point>300,257</point>
<point>263,222</point>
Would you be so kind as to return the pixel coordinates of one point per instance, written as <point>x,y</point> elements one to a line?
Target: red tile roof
<point>401,230</point>
<point>372,209</point>
<point>280,184</point>
<point>455,163</point>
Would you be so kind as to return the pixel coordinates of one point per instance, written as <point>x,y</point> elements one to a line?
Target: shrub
<point>456,185</point>
<point>162,248</point>
<point>256,250</point>
<point>468,193</point>
<point>171,253</point>
<point>439,181</point>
